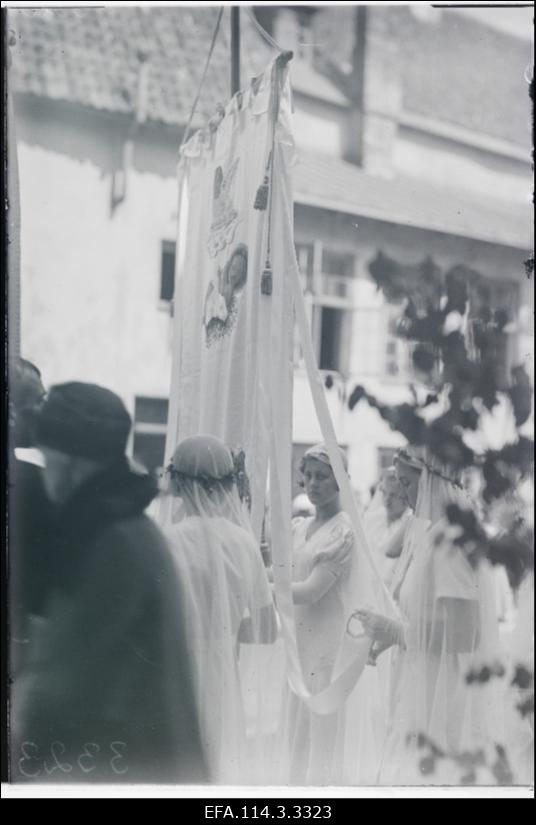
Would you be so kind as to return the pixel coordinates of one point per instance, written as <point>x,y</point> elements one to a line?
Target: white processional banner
<point>236,289</point>
<point>223,317</point>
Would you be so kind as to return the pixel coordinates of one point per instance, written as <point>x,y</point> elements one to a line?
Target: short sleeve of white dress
<point>334,552</point>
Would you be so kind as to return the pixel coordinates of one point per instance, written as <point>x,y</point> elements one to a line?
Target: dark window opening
<point>150,410</point>
<point>150,425</point>
<point>149,450</point>
<point>167,271</point>
<point>330,338</point>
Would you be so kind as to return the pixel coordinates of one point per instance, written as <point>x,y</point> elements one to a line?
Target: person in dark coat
<point>29,514</point>
<point>107,693</point>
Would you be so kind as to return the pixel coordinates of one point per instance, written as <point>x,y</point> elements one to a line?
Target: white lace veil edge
<point>451,627</point>
<point>228,611</point>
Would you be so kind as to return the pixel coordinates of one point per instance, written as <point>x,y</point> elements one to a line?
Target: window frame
<point>316,299</point>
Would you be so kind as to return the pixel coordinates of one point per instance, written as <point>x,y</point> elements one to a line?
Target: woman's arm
<point>313,588</point>
<point>383,631</point>
<point>377,649</point>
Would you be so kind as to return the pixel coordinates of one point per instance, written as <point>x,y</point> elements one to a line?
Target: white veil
<point>450,629</point>
<point>228,603</point>
<point>375,518</point>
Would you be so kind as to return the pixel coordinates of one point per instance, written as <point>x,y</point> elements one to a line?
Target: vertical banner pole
<point>235,49</point>
<point>13,221</point>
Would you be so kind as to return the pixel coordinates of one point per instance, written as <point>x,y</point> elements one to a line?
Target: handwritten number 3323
<point>29,763</point>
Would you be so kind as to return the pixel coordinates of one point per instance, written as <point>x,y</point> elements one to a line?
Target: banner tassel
<point>266,280</point>
<point>261,198</point>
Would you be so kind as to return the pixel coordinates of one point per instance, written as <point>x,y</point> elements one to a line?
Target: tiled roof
<point>458,53</point>
<point>90,56</point>
<point>451,67</point>
<point>330,183</point>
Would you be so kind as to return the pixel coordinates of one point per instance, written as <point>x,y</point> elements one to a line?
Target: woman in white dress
<point>322,748</point>
<point>228,598</point>
<point>385,522</point>
<point>449,626</point>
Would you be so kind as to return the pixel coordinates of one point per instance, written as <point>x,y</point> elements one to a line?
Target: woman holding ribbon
<point>448,627</point>
<point>323,567</point>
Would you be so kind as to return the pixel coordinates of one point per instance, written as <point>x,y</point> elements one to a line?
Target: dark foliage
<point>522,678</point>
<point>484,674</point>
<point>468,762</point>
<point>460,341</point>
<point>526,706</point>
<point>459,347</point>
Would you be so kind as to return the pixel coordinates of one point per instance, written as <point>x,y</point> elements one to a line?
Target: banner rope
<point>203,77</point>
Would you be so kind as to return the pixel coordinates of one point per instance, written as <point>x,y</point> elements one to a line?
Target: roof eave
<point>357,210</point>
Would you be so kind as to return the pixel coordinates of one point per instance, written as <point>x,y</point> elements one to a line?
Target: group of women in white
<point>410,717</point>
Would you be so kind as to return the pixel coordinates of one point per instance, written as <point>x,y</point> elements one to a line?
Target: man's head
<point>82,428</point>
<point>26,397</point>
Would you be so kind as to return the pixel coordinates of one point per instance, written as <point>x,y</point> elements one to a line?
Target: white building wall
<point>90,279</point>
<point>453,165</point>
<point>318,130</point>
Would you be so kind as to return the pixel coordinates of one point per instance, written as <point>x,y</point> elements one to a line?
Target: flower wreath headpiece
<point>237,475</point>
<point>420,464</point>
